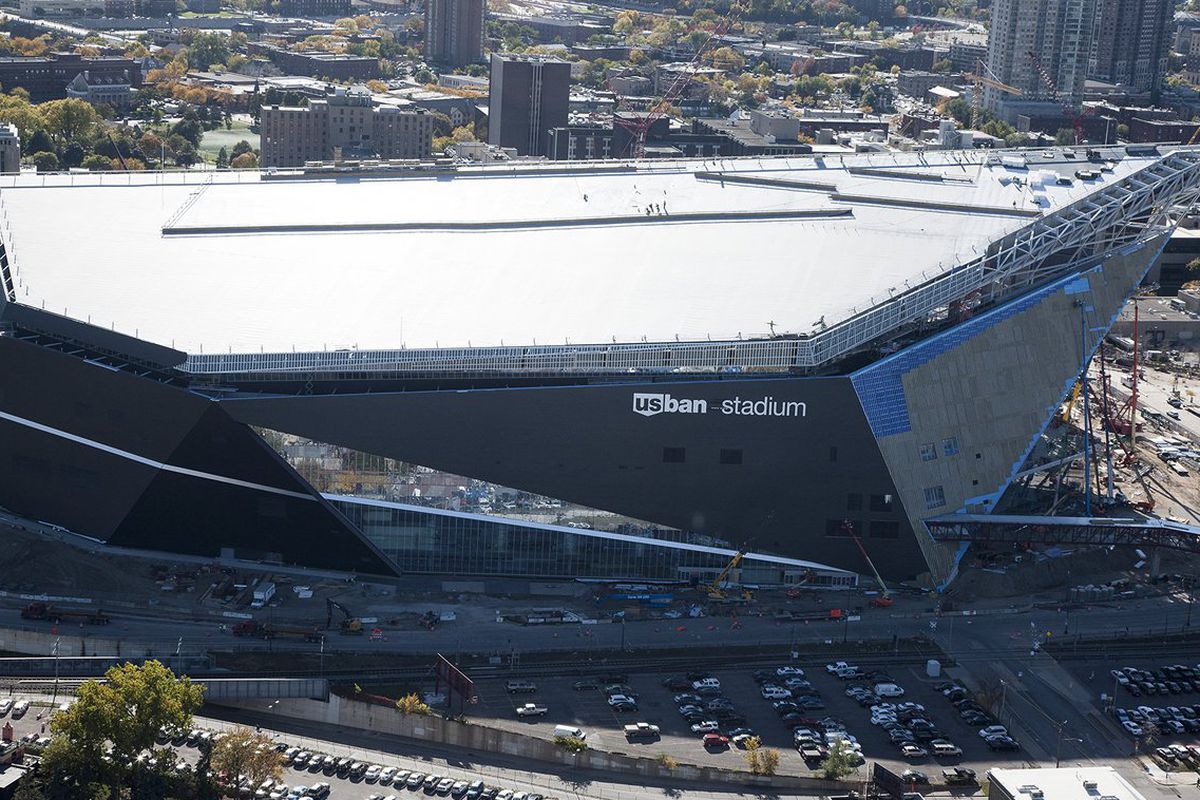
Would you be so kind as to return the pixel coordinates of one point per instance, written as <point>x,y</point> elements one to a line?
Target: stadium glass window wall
<point>434,542</point>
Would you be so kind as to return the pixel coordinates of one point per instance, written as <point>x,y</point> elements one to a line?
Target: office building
<point>528,96</point>
<point>906,374</point>
<point>343,126</point>
<point>454,31</point>
<point>1042,48</point>
<point>312,8</point>
<point>1132,43</point>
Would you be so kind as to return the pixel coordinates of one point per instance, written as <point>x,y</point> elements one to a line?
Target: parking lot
<point>1156,702</point>
<point>587,708</point>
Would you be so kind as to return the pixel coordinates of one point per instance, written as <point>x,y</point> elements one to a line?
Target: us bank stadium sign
<point>651,404</point>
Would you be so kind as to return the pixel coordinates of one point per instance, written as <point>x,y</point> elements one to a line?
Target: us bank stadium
<point>751,351</point>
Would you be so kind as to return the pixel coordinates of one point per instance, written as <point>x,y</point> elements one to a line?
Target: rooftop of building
<point>1068,783</point>
<point>520,254</point>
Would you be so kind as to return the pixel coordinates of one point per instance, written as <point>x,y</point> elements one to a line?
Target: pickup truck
<point>531,710</point>
<point>960,776</point>
<point>640,730</point>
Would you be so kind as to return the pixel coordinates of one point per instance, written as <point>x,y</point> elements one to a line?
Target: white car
<point>784,672</point>
<point>5,706</point>
<point>707,726</point>
<point>619,699</point>
<point>372,773</point>
<point>833,668</point>
<point>776,693</point>
<point>19,708</point>
<point>386,776</point>
<point>888,690</point>
<point>993,730</point>
<point>1132,728</point>
<point>706,683</point>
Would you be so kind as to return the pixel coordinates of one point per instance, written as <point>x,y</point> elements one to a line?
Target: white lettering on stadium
<point>649,405</point>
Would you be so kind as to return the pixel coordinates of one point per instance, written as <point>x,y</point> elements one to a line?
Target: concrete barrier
<point>388,721</point>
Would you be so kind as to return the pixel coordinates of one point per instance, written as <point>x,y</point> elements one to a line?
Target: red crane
<point>638,126</point>
<point>1075,117</point>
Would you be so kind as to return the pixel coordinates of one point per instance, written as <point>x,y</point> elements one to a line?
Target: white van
<point>888,690</point>
<point>569,731</point>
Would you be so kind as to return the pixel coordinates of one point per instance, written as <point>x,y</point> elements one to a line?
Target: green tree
<point>45,161</point>
<point>124,713</point>
<point>29,789</point>
<point>241,147</point>
<point>97,163</point>
<point>242,751</point>
<point>208,48</point>
<point>69,120</point>
<point>1065,136</point>
<point>838,764</point>
<point>223,158</point>
<point>39,142</point>
<point>189,127</point>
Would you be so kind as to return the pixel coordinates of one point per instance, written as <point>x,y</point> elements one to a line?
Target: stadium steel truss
<point>1135,209</point>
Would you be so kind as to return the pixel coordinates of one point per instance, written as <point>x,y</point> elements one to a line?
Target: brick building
<point>343,126</point>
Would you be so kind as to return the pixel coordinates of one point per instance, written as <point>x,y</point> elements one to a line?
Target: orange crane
<point>639,126</point>
<point>980,80</point>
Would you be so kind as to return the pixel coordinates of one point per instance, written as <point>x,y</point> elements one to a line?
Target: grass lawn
<point>212,141</point>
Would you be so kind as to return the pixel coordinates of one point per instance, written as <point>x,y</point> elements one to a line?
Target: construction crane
<point>351,624</point>
<point>640,125</point>
<point>1068,109</point>
<point>1070,407</point>
<point>980,80</point>
<point>885,599</point>
<point>718,589</point>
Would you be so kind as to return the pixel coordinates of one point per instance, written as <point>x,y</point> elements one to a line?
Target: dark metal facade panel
<point>777,484</point>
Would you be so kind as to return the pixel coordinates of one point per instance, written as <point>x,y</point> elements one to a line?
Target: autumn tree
<point>125,714</point>
<point>242,751</point>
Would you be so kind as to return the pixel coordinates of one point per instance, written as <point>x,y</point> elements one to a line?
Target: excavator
<point>351,625</point>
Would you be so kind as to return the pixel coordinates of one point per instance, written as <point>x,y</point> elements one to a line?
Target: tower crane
<point>1075,117</point>
<point>980,80</point>
<point>639,126</point>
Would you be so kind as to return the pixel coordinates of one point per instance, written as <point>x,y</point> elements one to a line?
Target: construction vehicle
<point>1063,102</point>
<point>719,588</point>
<point>258,630</point>
<point>885,599</point>
<point>638,126</point>
<point>429,620</point>
<point>49,613</point>
<point>980,80</point>
<point>351,625</point>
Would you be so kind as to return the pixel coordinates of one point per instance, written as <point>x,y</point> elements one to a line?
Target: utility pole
<point>54,699</point>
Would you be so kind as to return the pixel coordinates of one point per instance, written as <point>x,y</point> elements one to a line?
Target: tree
<point>1065,136</point>
<point>189,127</point>
<point>1194,265</point>
<point>45,161</point>
<point>412,704</point>
<point>838,763</point>
<point>97,163</point>
<point>39,142</point>
<point>69,120</point>
<point>150,146</point>
<point>241,147</point>
<point>29,789</point>
<point>244,161</point>
<point>126,712</point>
<point>223,158</point>
<point>208,48</point>
<point>242,751</point>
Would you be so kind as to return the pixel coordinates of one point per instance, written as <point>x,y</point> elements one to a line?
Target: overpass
<point>1001,529</point>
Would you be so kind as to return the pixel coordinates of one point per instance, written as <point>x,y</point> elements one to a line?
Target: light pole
<point>1058,745</point>
<point>54,699</point>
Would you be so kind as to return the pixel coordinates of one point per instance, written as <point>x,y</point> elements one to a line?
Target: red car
<point>715,741</point>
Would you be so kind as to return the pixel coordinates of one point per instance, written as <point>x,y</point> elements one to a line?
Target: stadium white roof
<point>517,254</point>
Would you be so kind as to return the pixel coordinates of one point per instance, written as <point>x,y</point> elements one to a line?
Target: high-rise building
<point>454,31</point>
<point>343,126</point>
<point>528,97</point>
<point>1132,42</point>
<point>1035,43</point>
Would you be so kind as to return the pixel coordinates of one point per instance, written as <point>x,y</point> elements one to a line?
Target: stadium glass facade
<point>427,541</point>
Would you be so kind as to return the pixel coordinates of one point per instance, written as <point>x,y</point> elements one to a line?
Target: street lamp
<point>1058,744</point>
